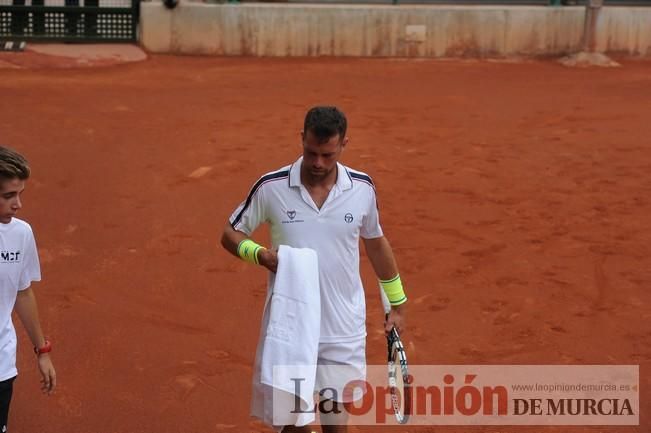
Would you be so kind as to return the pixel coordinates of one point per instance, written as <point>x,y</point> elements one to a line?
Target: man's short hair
<point>324,122</point>
<point>13,165</point>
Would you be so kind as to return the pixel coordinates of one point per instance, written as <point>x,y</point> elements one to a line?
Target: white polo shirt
<point>19,266</point>
<point>350,211</point>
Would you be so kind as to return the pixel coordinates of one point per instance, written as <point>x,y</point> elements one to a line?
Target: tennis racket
<point>398,372</point>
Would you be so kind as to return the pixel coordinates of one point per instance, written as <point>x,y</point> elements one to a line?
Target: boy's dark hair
<point>13,165</point>
<point>325,122</point>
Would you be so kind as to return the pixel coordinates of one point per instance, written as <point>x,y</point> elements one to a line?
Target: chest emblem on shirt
<point>10,256</point>
<point>348,218</point>
<point>291,214</point>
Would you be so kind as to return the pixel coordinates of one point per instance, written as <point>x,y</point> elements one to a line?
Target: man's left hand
<point>396,319</point>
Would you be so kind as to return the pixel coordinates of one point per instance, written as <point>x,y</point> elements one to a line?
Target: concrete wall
<point>625,30</point>
<point>260,29</point>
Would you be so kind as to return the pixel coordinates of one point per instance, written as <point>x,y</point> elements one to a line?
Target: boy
<point>19,266</point>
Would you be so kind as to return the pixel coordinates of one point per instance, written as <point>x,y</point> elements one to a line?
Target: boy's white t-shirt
<point>19,266</point>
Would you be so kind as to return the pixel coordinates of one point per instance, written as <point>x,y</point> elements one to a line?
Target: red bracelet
<point>47,347</point>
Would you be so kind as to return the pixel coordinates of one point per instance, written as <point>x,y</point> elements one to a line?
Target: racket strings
<point>399,379</point>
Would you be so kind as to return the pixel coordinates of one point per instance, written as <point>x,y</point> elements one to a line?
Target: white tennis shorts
<point>338,364</point>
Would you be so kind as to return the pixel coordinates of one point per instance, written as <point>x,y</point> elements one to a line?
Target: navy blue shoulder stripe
<point>264,179</point>
<point>362,177</point>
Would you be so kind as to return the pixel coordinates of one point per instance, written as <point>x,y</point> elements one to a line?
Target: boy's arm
<point>27,312</point>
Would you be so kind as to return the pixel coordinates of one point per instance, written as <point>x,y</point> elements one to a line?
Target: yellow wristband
<point>248,251</point>
<point>394,291</point>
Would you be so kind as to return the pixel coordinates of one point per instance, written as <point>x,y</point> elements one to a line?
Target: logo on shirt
<point>291,214</point>
<point>348,218</point>
<point>10,256</point>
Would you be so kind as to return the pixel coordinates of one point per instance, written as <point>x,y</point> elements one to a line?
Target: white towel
<point>289,336</point>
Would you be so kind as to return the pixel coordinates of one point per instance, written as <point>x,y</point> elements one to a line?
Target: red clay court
<point>516,196</point>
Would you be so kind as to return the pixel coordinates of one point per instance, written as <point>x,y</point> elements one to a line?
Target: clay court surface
<point>516,195</point>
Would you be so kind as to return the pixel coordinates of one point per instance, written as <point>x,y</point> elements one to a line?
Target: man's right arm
<point>231,240</point>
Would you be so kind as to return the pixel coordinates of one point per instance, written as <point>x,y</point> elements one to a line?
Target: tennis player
<point>318,203</point>
<point>19,267</point>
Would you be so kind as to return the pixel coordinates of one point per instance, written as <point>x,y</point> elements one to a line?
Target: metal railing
<point>458,2</point>
<point>69,20</point>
